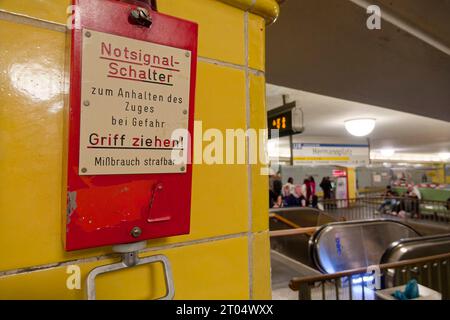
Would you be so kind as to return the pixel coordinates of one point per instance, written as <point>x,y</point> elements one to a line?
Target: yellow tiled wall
<point>226,255</point>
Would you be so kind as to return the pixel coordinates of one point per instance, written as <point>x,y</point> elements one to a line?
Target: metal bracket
<point>131,259</point>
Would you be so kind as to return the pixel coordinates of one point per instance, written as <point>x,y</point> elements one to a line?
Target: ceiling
<point>324,46</point>
<point>325,116</point>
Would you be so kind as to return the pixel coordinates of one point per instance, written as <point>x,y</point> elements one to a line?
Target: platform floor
<point>283,270</point>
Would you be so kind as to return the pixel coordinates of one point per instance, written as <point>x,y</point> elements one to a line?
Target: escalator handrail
<point>314,238</point>
<point>394,245</point>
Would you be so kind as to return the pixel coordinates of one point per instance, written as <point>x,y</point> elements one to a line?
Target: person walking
<point>326,187</point>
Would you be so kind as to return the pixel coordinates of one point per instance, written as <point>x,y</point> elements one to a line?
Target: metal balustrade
<point>384,207</point>
<point>432,272</point>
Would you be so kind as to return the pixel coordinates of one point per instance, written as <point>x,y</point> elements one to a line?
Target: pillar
<point>225,256</point>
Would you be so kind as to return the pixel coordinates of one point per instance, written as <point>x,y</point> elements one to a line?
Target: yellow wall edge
<point>268,9</point>
<point>351,183</point>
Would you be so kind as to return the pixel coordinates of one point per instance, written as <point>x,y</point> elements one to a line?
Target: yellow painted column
<point>351,181</point>
<point>439,176</point>
<point>226,254</point>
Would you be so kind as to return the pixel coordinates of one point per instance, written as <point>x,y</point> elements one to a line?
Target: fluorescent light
<point>387,152</point>
<point>444,155</point>
<point>410,157</point>
<point>360,127</point>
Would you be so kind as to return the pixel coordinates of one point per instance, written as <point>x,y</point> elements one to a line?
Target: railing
<point>396,207</point>
<point>371,191</point>
<point>432,272</point>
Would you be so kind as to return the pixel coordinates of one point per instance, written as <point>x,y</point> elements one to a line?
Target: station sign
<point>325,153</point>
<point>132,90</point>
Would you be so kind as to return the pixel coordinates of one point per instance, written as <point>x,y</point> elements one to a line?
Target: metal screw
<point>87,34</point>
<point>187,54</point>
<point>143,13</point>
<point>136,232</point>
<point>182,168</point>
<point>84,170</point>
<point>184,111</point>
<point>141,17</point>
<point>86,103</point>
<point>135,14</point>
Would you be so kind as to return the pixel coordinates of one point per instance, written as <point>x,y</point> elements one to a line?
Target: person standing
<point>312,183</point>
<point>326,187</point>
<point>290,184</point>
<point>314,199</point>
<point>306,190</point>
<point>277,187</point>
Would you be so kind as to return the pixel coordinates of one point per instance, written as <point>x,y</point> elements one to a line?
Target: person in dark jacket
<point>326,187</point>
<point>277,186</point>
<point>275,192</point>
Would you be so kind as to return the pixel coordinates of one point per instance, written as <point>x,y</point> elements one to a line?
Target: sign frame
<point>124,208</point>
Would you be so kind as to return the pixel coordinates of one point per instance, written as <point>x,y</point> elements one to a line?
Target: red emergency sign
<point>132,92</point>
<point>339,173</point>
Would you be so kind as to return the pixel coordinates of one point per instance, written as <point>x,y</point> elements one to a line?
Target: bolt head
<point>84,170</point>
<point>86,103</point>
<point>183,168</point>
<point>185,112</point>
<point>135,14</point>
<point>187,54</point>
<point>136,232</point>
<point>142,12</point>
<point>87,34</point>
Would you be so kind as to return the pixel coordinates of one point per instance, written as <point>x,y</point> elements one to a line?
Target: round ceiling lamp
<point>360,127</point>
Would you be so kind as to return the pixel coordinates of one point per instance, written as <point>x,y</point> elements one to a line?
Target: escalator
<point>349,245</point>
<point>295,246</point>
<point>421,247</point>
<point>333,246</point>
<point>289,254</point>
<point>413,248</point>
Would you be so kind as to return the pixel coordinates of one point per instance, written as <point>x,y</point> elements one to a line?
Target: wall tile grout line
<point>50,266</point>
<point>264,107</point>
<point>231,65</point>
<point>31,21</point>
<point>249,168</point>
<point>58,27</point>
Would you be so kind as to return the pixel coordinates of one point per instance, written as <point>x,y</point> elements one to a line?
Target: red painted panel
<point>103,209</point>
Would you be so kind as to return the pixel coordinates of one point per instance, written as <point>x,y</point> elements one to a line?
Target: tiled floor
<point>283,270</point>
